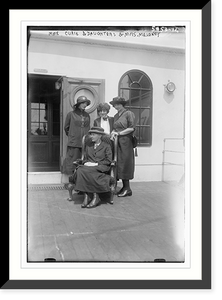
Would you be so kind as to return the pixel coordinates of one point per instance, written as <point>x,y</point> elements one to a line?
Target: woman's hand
<point>126,131</point>
<point>90,164</point>
<point>113,135</point>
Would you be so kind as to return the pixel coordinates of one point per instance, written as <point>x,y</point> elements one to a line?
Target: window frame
<point>140,107</point>
<point>37,144</point>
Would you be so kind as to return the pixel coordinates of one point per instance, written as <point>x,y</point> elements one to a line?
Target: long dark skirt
<point>125,158</point>
<point>72,154</point>
<point>92,179</point>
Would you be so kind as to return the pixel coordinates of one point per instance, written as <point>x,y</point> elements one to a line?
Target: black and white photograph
<point>107,144</point>
<point>110,150</point>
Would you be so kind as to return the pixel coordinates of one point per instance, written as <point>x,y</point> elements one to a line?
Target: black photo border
<point>205,282</point>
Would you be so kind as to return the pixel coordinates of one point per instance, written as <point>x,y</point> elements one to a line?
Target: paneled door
<point>71,89</point>
<point>43,124</point>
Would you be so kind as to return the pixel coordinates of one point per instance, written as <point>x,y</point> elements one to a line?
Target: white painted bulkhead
<point>76,58</point>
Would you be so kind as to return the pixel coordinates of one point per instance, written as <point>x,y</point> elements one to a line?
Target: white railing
<point>167,163</point>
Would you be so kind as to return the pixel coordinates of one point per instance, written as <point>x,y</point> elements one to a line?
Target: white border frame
<point>18,157</point>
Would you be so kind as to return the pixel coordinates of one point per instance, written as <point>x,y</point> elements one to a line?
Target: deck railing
<point>164,162</point>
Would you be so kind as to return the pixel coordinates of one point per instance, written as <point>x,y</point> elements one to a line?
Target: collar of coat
<point>98,147</point>
<point>118,115</point>
<point>79,111</point>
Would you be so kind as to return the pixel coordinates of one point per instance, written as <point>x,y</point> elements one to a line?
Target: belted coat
<point>77,124</point>
<point>125,152</point>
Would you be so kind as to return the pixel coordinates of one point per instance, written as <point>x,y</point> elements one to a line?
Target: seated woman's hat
<point>118,100</point>
<point>98,130</point>
<point>82,99</point>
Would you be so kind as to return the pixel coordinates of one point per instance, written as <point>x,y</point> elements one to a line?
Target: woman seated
<point>91,177</point>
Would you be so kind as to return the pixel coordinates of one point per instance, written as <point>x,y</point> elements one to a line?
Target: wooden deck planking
<point>137,228</point>
<point>114,254</point>
<point>113,225</point>
<point>78,231</point>
<point>135,234</point>
<point>122,222</point>
<point>35,240</point>
<point>97,223</point>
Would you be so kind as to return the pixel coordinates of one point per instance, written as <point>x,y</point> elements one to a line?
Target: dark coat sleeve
<point>67,123</point>
<point>107,159</point>
<point>111,121</point>
<point>102,155</point>
<point>97,122</point>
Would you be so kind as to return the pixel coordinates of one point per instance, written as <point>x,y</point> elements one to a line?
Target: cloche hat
<point>82,99</point>
<point>98,130</point>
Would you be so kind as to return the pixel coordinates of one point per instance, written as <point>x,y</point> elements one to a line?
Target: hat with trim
<point>82,99</point>
<point>98,130</point>
<point>118,100</point>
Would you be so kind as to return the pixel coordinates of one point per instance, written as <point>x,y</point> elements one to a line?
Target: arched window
<point>136,87</point>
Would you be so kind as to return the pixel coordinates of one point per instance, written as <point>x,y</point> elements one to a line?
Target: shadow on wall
<point>168,97</point>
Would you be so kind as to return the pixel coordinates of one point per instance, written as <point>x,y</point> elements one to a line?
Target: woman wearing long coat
<point>91,177</point>
<point>123,128</point>
<point>77,124</point>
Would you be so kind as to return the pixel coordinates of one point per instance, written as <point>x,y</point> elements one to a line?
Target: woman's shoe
<point>85,201</point>
<point>120,191</point>
<point>125,193</point>
<point>80,193</point>
<point>95,201</point>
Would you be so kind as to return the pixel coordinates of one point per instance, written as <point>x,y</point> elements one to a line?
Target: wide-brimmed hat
<point>98,130</point>
<point>82,99</point>
<point>118,100</point>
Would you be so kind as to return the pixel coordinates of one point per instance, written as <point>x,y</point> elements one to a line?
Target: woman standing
<point>77,124</point>
<point>123,127</point>
<point>104,120</point>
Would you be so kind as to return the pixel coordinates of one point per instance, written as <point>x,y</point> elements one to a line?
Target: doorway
<point>43,124</point>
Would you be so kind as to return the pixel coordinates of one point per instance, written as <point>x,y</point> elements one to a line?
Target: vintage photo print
<point>107,144</point>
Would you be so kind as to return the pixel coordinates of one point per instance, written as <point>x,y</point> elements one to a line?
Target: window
<point>136,87</point>
<point>45,107</point>
<point>43,123</point>
<point>39,123</point>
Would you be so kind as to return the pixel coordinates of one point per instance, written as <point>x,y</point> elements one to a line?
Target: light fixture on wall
<point>170,87</point>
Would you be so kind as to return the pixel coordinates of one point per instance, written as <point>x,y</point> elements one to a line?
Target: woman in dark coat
<point>91,177</point>
<point>77,124</point>
<point>123,127</point>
